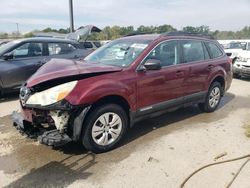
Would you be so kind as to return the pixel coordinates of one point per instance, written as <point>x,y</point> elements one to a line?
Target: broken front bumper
<point>53,125</point>
<point>51,138</point>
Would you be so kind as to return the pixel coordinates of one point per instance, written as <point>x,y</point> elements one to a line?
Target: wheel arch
<point>221,80</point>
<point>78,125</point>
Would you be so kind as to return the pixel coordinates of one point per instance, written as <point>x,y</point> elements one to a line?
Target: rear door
<point>26,60</point>
<point>160,89</point>
<point>196,59</point>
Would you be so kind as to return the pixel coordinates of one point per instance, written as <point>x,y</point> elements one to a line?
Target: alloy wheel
<point>214,97</point>
<point>106,129</point>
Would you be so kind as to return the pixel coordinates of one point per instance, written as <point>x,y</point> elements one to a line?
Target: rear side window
<point>192,51</point>
<point>60,48</point>
<point>214,50</point>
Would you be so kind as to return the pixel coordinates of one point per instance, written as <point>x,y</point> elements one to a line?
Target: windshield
<point>119,52</point>
<point>5,47</point>
<point>235,46</point>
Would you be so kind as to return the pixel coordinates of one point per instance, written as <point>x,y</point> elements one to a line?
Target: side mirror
<point>8,56</point>
<point>152,64</point>
<point>229,54</point>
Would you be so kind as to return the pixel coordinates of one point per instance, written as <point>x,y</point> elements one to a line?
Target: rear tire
<point>105,127</point>
<point>213,98</point>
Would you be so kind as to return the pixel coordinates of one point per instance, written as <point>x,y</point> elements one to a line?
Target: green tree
<point>165,28</point>
<point>28,35</point>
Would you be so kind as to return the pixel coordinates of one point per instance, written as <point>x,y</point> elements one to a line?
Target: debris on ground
<point>220,156</point>
<point>151,159</point>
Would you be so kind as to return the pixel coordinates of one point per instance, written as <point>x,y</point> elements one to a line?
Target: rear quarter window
<point>214,50</point>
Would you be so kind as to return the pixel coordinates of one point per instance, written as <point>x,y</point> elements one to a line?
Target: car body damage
<point>60,122</point>
<point>63,70</point>
<point>60,119</point>
<point>97,99</point>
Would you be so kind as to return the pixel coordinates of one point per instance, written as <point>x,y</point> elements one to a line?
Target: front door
<point>27,58</point>
<point>159,89</point>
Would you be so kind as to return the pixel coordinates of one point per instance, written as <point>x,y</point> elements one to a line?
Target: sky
<point>39,14</point>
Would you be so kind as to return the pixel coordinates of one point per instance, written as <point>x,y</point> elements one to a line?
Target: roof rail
<point>183,33</point>
<point>137,33</point>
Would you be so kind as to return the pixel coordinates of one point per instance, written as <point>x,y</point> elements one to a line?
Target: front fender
<point>88,93</point>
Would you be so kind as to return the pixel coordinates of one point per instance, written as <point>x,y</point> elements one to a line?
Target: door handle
<point>209,67</point>
<point>179,73</point>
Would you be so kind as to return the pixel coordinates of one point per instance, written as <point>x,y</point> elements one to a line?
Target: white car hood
<point>244,54</point>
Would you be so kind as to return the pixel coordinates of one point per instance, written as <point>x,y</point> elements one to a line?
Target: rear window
<point>214,50</point>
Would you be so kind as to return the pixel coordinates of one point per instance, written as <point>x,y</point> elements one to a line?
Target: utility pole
<point>71,16</point>
<point>17,30</point>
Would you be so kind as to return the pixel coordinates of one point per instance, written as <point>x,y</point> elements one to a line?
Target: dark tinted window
<point>214,50</point>
<point>192,51</point>
<point>166,52</point>
<point>206,52</point>
<point>31,49</point>
<point>88,45</point>
<point>97,44</point>
<point>60,48</point>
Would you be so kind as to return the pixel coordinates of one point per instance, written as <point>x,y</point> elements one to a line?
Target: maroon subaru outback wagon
<point>97,99</point>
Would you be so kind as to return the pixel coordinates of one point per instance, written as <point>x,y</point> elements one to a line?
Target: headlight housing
<point>51,95</point>
<point>242,59</point>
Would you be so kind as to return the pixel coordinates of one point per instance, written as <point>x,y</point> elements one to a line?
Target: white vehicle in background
<point>234,48</point>
<point>241,66</point>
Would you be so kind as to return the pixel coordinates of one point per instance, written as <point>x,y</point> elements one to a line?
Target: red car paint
<point>143,89</point>
<point>139,89</point>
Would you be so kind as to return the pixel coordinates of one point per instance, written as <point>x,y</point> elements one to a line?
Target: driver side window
<point>31,49</point>
<point>166,52</point>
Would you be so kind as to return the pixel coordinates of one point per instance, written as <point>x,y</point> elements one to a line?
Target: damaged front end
<point>51,124</point>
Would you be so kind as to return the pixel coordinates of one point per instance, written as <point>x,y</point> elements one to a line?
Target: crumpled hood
<point>58,69</point>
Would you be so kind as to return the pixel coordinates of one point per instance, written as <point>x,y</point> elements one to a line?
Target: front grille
<point>247,66</point>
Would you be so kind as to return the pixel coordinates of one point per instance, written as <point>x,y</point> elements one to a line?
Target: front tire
<point>213,98</point>
<point>105,127</point>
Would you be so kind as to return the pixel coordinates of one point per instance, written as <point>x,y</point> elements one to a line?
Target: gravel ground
<point>159,152</point>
